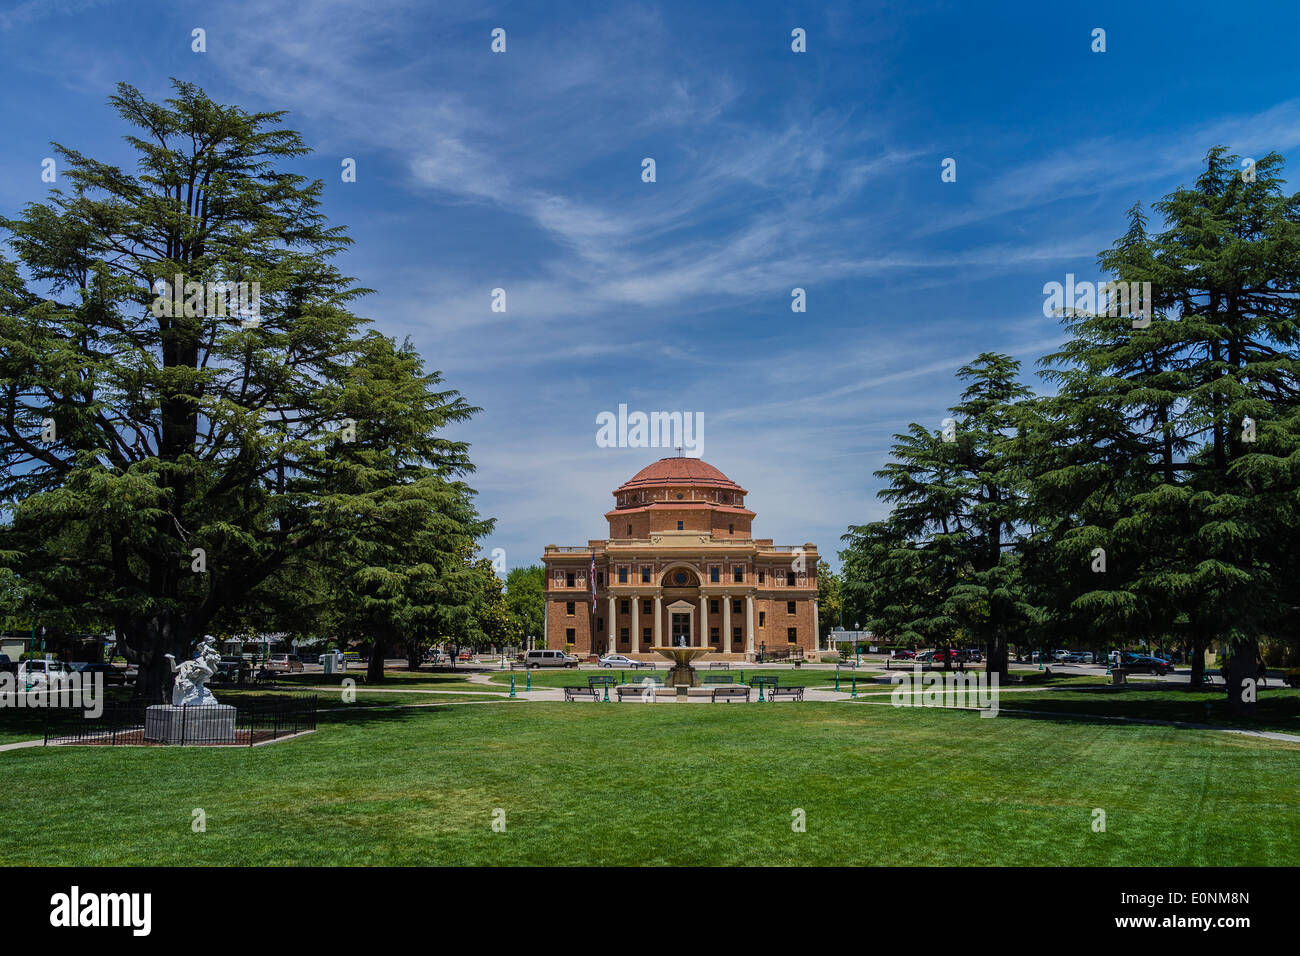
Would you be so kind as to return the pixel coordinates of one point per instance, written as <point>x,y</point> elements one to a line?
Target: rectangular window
<point>568,608</point>
<point>645,633</point>
<point>568,634</point>
<point>600,625</point>
<point>713,606</point>
<point>736,635</point>
<point>629,531</point>
<point>622,576</point>
<point>789,579</point>
<point>715,574</point>
<point>738,575</point>
<point>645,607</point>
<point>731,529</point>
<point>760,577</point>
<point>713,635</point>
<point>624,606</point>
<point>679,526</point>
<point>570,580</point>
<point>622,634</point>
<point>600,579</point>
<point>762,618</point>
<point>645,575</point>
<point>792,635</point>
<point>736,607</point>
<point>789,607</point>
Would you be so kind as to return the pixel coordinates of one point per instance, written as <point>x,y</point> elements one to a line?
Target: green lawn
<point>677,784</point>
<point>559,677</point>
<point>333,699</point>
<point>393,680</point>
<point>1278,708</point>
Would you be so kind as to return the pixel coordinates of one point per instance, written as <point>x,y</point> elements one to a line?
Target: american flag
<point>592,577</point>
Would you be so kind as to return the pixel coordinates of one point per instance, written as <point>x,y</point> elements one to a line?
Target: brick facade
<point>680,563</point>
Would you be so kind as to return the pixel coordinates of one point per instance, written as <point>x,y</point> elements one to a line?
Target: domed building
<point>681,567</point>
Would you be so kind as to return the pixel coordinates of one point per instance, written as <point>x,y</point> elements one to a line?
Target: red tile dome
<point>679,471</point>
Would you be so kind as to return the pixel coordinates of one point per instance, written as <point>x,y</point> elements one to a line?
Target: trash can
<point>328,661</point>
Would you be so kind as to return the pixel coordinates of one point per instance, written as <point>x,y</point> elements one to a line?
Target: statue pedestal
<point>206,724</point>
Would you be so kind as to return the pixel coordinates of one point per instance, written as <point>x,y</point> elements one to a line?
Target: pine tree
<point>1176,446</point>
<point>194,454</point>
<point>945,560</point>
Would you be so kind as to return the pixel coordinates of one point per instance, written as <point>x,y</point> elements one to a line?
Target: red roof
<point>679,471</point>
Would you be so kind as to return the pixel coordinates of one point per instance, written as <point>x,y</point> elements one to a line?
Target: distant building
<point>680,566</point>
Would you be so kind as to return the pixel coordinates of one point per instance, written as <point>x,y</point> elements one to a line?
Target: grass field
<point>1278,709</point>
<point>679,784</point>
<point>559,677</point>
<point>393,680</point>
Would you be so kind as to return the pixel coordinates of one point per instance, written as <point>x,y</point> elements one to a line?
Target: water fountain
<point>682,674</point>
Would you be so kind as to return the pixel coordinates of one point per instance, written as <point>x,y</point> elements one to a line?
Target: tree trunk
<point>995,661</point>
<point>147,645</point>
<point>378,650</point>
<point>1242,689</point>
<point>1196,655</point>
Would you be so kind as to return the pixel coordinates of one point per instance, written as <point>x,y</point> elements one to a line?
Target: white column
<point>636,624</point>
<point>609,625</point>
<point>659,613</point>
<point>724,644</point>
<point>749,623</point>
<point>704,622</point>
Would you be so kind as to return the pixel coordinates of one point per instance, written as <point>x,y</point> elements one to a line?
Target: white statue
<point>188,689</point>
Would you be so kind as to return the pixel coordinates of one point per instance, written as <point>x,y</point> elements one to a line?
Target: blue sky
<point>775,170</point>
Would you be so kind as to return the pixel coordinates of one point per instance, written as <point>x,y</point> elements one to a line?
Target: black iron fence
<point>240,724</point>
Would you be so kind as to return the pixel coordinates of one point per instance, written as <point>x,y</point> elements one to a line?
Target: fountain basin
<point>682,673</point>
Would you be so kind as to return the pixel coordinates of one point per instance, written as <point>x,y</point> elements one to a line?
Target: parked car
<point>974,655</point>
<point>904,655</point>
<point>1080,657</point>
<point>618,660</point>
<point>38,672</point>
<point>550,658</point>
<point>283,663</point>
<point>8,665</point>
<point>112,675</point>
<point>233,670</point>
<point>1147,664</point>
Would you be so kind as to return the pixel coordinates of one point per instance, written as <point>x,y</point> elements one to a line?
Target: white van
<point>549,659</point>
<point>38,672</point>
